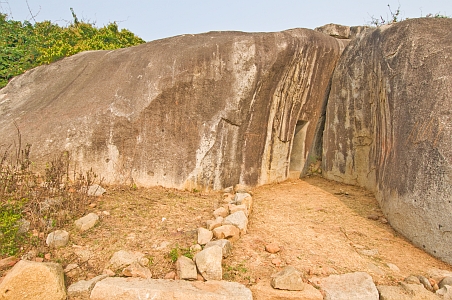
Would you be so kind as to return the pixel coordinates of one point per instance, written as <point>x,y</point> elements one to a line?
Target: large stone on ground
<point>405,291</point>
<point>388,127</point>
<point>288,279</point>
<point>225,245</point>
<point>123,258</point>
<point>57,239</point>
<point>34,281</point>
<point>160,289</point>
<point>351,286</point>
<point>186,268</point>
<point>204,236</point>
<point>229,232</point>
<point>209,261</point>
<point>205,110</point>
<point>263,291</point>
<point>87,222</point>
<point>239,220</point>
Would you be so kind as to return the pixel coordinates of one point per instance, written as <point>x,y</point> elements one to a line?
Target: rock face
<point>34,281</point>
<point>208,110</point>
<point>388,127</point>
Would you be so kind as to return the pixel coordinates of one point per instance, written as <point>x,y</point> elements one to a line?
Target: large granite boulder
<point>209,110</point>
<point>388,126</point>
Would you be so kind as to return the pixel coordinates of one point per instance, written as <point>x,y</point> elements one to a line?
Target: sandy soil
<point>322,228</point>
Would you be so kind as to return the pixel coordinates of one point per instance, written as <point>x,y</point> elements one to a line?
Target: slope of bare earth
<point>322,228</point>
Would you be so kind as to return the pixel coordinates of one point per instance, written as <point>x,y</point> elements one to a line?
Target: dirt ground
<point>322,228</point>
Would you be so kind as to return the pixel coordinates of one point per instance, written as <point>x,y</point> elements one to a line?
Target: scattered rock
<point>412,280</point>
<point>83,288</point>
<point>239,220</point>
<point>243,198</point>
<point>122,259</point>
<point>124,289</point>
<point>235,208</point>
<point>186,268</point>
<point>288,279</point>
<point>204,236</point>
<point>57,239</point>
<point>351,286</point>
<point>8,262</point>
<point>229,232</point>
<point>445,292</point>
<point>221,212</point>
<point>272,248</point>
<point>375,269</point>
<point>137,270</point>
<point>438,274</point>
<point>33,280</point>
<point>225,245</point>
<point>263,291</point>
<point>212,224</point>
<point>24,226</point>
<point>70,267</point>
<point>86,222</point>
<point>96,190</point>
<point>170,275</point>
<point>277,262</point>
<point>208,262</point>
<point>425,282</point>
<point>393,267</point>
<point>405,291</point>
<point>442,283</point>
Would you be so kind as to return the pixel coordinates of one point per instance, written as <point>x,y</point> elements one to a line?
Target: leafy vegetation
<point>24,45</point>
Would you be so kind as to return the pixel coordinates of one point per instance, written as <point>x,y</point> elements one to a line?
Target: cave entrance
<point>297,155</point>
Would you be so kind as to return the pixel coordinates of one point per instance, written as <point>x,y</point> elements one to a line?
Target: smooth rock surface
<point>34,281</point>
<point>289,279</point>
<point>137,270</point>
<point>87,222</point>
<point>351,286</point>
<point>123,258</point>
<point>208,263</point>
<point>57,239</point>
<point>229,232</point>
<point>225,245</point>
<point>239,220</point>
<point>204,236</point>
<point>186,268</point>
<point>184,119</point>
<point>160,289</point>
<point>388,127</point>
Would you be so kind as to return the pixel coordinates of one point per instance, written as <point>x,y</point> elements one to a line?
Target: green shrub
<point>10,236</point>
<point>24,45</point>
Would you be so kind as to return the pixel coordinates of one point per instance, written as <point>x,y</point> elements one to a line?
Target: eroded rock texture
<point>208,110</point>
<point>389,126</point>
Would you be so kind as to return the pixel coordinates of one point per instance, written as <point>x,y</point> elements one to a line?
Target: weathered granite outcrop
<point>388,126</point>
<point>208,110</point>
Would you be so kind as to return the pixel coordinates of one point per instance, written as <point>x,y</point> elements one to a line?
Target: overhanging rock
<point>208,110</point>
<point>389,126</point>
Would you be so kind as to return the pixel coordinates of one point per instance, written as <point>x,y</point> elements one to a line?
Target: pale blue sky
<point>155,19</point>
